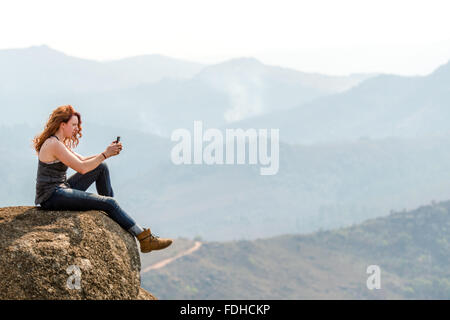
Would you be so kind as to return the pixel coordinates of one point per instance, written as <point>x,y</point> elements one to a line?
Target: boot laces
<point>154,236</point>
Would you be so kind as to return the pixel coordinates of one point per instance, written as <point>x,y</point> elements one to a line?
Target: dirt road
<point>165,262</point>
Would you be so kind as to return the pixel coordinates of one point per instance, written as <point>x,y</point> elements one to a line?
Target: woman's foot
<point>150,242</point>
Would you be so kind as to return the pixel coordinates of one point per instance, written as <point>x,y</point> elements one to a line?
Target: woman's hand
<point>113,149</point>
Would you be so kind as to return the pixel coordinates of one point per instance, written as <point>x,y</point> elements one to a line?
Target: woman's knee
<point>103,166</point>
<point>112,202</point>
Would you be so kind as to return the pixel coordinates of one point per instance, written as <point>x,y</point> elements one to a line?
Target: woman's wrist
<point>104,155</point>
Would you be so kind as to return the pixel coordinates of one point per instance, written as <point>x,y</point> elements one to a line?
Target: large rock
<point>66,255</point>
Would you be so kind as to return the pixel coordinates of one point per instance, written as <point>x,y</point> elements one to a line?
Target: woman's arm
<point>69,158</point>
<point>81,157</point>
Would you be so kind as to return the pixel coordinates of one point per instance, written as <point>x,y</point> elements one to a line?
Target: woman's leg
<point>102,180</point>
<point>101,177</point>
<point>73,199</point>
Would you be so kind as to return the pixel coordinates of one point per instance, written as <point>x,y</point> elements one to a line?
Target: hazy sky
<point>331,37</point>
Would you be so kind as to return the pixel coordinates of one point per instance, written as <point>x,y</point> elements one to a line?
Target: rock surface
<point>66,255</point>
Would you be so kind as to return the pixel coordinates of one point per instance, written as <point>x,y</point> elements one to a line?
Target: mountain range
<point>152,93</point>
<point>380,107</point>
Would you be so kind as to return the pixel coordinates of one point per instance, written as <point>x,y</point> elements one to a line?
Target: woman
<point>55,192</point>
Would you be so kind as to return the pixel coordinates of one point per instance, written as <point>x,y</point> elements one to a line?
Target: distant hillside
<point>380,107</point>
<point>255,88</point>
<point>45,71</point>
<point>412,249</point>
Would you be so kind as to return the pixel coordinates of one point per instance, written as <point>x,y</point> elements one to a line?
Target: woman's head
<point>65,120</point>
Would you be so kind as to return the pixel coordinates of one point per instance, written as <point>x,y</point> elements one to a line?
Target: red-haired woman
<point>55,192</point>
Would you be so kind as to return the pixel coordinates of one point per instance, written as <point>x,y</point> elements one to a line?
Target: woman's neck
<point>59,136</point>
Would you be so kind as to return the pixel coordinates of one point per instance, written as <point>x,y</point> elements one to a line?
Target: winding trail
<point>165,262</point>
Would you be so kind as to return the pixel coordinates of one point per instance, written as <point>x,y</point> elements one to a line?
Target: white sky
<point>331,37</point>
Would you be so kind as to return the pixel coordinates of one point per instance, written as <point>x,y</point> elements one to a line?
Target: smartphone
<point>117,140</point>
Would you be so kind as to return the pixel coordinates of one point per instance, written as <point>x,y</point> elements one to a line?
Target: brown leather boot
<point>149,242</point>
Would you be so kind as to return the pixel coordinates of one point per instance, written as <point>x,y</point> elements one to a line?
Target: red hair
<point>58,116</point>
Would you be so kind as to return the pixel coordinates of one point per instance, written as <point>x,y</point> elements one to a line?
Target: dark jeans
<point>76,197</point>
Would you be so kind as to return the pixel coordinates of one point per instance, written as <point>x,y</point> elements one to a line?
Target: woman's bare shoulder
<point>46,153</point>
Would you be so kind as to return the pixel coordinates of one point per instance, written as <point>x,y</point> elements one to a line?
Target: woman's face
<point>71,127</point>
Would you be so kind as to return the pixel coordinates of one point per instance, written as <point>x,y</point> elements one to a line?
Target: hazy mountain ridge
<point>379,107</point>
<point>153,93</point>
<point>42,70</point>
<point>251,85</point>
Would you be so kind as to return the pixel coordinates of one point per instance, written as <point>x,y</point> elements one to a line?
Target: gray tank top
<point>49,177</point>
